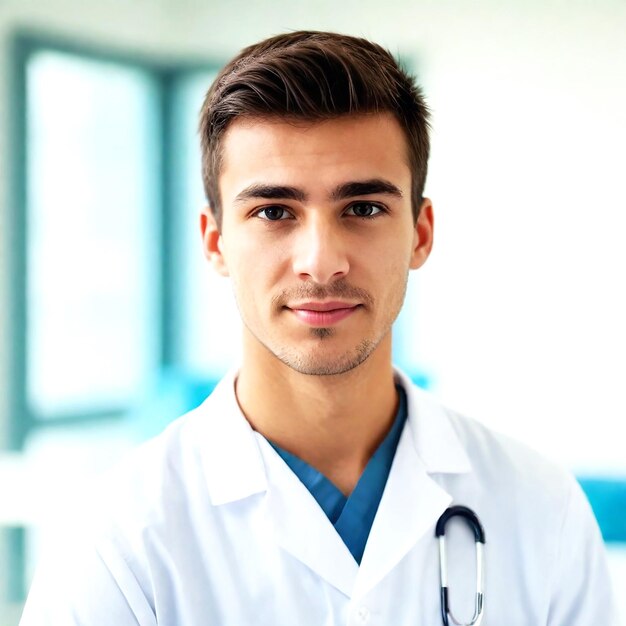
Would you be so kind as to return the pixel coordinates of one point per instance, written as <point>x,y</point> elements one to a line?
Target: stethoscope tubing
<point>479,536</point>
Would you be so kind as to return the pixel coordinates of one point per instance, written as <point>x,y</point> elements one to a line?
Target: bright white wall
<point>525,293</point>
<point>520,306</point>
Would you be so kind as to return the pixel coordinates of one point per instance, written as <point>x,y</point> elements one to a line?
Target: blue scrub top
<point>353,516</point>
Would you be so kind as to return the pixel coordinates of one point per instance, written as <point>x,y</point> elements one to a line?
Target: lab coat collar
<point>302,528</point>
<point>238,463</point>
<point>413,500</point>
<point>230,456</point>
<point>435,440</point>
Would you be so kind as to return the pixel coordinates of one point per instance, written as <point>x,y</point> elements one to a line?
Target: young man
<point>306,489</point>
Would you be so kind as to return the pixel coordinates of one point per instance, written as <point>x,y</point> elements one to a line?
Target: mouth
<point>323,314</point>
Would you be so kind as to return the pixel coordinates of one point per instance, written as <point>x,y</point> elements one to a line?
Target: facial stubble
<point>307,363</point>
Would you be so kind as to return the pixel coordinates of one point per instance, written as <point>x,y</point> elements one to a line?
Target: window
<point>103,197</point>
<point>93,218</point>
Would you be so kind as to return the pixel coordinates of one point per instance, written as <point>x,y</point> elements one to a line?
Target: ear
<point>212,241</point>
<point>423,235</point>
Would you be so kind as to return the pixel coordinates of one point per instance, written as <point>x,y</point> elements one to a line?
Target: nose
<point>320,252</point>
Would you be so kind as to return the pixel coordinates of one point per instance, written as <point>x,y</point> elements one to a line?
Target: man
<point>306,489</point>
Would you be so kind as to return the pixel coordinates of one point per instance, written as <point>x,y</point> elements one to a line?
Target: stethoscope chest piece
<point>479,535</point>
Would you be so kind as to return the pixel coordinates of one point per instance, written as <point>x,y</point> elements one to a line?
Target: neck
<point>334,423</point>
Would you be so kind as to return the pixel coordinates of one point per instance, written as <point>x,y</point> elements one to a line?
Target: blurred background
<point>111,324</point>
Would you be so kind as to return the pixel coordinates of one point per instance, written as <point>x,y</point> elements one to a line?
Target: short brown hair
<point>315,76</point>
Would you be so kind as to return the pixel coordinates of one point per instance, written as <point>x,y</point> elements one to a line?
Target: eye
<point>364,209</point>
<point>273,213</point>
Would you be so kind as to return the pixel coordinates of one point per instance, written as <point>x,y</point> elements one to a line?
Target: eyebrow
<point>270,192</point>
<point>351,189</point>
<point>365,188</point>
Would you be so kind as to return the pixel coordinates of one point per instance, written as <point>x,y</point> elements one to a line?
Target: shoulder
<point>156,481</point>
<point>503,477</point>
<point>140,491</point>
<point>495,454</point>
<point>492,457</point>
<point>524,499</point>
<point>114,529</point>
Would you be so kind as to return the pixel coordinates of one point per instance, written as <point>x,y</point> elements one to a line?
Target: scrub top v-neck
<point>352,516</point>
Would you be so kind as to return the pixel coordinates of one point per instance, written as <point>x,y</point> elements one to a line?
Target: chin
<point>316,364</point>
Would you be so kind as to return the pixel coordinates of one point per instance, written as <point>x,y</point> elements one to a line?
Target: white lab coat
<point>206,525</point>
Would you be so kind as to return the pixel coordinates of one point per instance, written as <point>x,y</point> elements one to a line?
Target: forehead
<point>319,154</point>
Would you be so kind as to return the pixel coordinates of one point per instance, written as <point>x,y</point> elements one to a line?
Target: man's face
<point>317,236</point>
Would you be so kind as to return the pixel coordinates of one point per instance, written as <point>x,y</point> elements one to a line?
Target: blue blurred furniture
<point>608,501</point>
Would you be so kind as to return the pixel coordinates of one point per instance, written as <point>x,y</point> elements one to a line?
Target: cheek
<point>389,258</point>
<point>390,273</point>
<point>257,271</point>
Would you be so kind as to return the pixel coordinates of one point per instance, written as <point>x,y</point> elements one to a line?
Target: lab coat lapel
<point>409,509</point>
<point>229,454</point>
<point>239,463</point>
<point>302,528</point>
<point>412,501</point>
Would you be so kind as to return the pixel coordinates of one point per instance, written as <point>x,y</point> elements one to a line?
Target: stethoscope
<point>479,534</point>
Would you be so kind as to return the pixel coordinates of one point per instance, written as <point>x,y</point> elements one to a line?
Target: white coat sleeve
<point>581,588</point>
<point>87,586</point>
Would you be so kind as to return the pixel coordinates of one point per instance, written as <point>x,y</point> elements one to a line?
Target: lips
<point>323,313</point>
